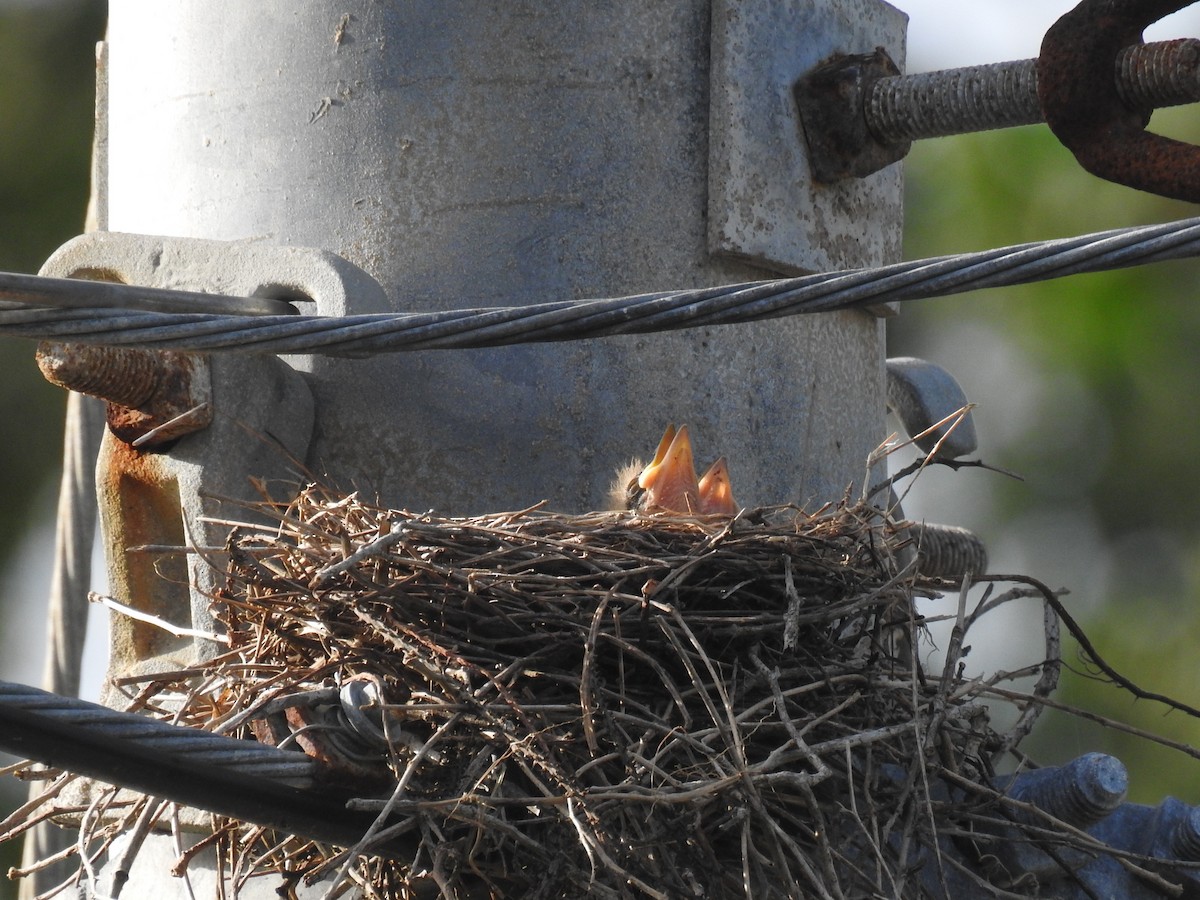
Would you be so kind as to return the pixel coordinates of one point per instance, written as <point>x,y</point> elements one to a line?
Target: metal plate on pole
<point>763,205</point>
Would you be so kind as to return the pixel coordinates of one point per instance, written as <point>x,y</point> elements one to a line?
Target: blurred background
<point>1086,387</point>
<point>47,79</point>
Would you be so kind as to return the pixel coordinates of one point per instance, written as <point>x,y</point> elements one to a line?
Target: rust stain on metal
<point>139,505</point>
<point>181,386</point>
<point>1083,107</point>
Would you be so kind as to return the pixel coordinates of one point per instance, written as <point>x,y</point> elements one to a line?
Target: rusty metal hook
<point>1079,99</point>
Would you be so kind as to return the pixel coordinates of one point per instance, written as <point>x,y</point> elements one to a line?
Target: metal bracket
<point>156,496</point>
<point>922,395</point>
<point>764,206</point>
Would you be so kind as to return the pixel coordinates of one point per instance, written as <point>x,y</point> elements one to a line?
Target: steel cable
<point>89,723</point>
<point>364,335</point>
<point>245,780</point>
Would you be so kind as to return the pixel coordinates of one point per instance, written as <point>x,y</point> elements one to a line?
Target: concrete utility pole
<point>456,155</point>
<point>473,155</point>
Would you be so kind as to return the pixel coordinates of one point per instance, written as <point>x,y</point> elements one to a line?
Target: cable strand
<point>365,335</point>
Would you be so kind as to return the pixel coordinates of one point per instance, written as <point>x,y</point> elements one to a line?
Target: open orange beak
<point>670,480</point>
<point>669,483</point>
<point>716,492</point>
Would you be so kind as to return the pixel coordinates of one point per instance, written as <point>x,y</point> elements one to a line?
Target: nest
<point>614,705</point>
<point>602,704</point>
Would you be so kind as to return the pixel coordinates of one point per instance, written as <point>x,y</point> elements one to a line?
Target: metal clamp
<point>1085,111</point>
<point>232,420</point>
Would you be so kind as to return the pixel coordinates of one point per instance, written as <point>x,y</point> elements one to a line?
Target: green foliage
<point>1137,636</point>
<point>1126,343</point>
<point>47,78</point>
<point>47,74</point>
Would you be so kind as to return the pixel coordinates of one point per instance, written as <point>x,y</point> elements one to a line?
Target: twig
<point>175,630</point>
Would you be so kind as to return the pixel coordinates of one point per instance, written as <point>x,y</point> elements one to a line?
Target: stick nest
<point>610,705</point>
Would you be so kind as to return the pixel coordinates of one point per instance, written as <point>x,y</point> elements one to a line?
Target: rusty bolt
<point>154,396</point>
<point>1005,94</point>
<point>119,374</point>
<point>859,118</point>
<point>947,551</point>
<point>831,98</point>
<point>1080,793</point>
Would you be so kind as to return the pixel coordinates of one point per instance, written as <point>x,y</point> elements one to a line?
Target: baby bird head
<point>669,483</point>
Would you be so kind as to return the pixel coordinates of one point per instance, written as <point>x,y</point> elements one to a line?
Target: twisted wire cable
<point>242,779</point>
<point>364,335</point>
<point>94,723</point>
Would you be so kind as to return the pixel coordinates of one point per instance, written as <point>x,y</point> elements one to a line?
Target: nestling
<point>669,483</point>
